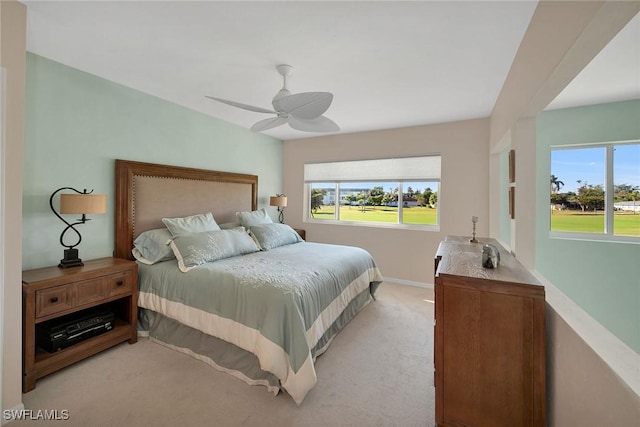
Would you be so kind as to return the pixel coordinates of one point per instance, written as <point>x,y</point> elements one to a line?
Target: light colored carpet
<point>377,372</point>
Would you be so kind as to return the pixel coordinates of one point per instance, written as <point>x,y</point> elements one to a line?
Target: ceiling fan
<point>303,111</point>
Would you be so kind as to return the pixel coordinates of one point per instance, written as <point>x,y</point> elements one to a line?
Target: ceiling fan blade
<point>319,124</point>
<point>306,105</point>
<point>268,124</point>
<point>239,105</point>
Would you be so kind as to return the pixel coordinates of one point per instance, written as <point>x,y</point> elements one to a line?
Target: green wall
<point>77,124</point>
<point>602,277</point>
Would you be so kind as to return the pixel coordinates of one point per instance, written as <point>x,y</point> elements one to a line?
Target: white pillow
<point>250,218</point>
<point>191,224</point>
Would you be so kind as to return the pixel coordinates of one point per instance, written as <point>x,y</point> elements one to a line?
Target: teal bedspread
<point>283,305</point>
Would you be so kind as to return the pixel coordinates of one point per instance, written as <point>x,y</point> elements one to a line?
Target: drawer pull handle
<point>120,282</point>
<point>54,299</point>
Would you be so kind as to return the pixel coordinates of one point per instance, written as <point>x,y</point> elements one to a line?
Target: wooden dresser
<point>489,339</point>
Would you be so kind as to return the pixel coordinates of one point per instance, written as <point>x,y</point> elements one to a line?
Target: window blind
<point>423,168</point>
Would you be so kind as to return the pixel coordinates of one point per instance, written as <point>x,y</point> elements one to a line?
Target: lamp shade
<point>280,201</point>
<point>83,203</point>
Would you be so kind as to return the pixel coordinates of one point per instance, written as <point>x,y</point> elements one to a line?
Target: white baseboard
<point>15,409</point>
<point>408,282</point>
<point>623,360</point>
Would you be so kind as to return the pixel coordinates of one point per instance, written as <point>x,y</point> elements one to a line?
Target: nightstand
<point>302,233</point>
<point>52,293</point>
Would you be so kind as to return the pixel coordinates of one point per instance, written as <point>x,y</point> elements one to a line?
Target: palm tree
<point>555,184</point>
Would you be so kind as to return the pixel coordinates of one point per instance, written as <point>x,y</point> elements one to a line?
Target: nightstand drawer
<point>54,300</point>
<point>89,291</point>
<point>117,284</point>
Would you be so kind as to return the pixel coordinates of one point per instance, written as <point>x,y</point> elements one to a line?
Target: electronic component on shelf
<point>58,334</point>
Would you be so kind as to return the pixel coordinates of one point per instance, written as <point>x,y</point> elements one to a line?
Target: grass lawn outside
<point>624,223</point>
<point>383,214</point>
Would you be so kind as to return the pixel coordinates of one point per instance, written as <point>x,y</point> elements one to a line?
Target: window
<point>595,190</point>
<point>400,192</point>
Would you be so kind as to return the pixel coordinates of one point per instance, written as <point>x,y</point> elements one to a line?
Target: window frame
<point>608,234</point>
<point>307,218</point>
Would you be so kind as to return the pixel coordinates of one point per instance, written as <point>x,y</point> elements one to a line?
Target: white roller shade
<point>425,168</point>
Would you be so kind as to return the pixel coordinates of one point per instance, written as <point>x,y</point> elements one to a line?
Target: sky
<point>588,164</point>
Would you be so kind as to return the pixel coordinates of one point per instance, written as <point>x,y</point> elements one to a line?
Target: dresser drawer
<point>117,284</point>
<point>54,300</point>
<point>89,291</point>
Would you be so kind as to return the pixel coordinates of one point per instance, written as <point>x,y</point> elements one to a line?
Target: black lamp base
<point>70,259</point>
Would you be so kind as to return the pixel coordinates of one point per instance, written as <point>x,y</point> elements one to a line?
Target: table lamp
<point>81,203</point>
<point>279,200</point>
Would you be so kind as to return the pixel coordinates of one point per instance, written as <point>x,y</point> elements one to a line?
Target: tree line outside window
<point>595,189</point>
<point>375,202</point>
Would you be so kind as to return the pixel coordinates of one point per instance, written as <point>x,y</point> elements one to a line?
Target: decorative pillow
<point>191,224</point>
<point>153,246</point>
<point>251,218</point>
<point>269,236</point>
<point>195,249</point>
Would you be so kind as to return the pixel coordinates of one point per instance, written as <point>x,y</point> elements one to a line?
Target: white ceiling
<point>388,64</point>
<point>613,75</point>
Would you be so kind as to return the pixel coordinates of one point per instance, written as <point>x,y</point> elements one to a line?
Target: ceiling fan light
<point>306,105</point>
<point>320,124</point>
<point>281,94</point>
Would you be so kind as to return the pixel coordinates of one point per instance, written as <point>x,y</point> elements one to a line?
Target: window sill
<point>593,237</point>
<point>415,227</point>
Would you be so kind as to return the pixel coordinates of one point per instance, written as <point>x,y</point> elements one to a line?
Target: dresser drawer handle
<point>120,282</point>
<point>54,299</point>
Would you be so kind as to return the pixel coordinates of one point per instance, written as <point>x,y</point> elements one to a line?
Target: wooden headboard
<point>147,192</point>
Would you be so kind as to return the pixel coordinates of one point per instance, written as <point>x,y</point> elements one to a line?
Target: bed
<point>261,306</point>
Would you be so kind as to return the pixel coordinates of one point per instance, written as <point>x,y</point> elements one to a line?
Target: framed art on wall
<point>512,166</point>
<point>512,200</point>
